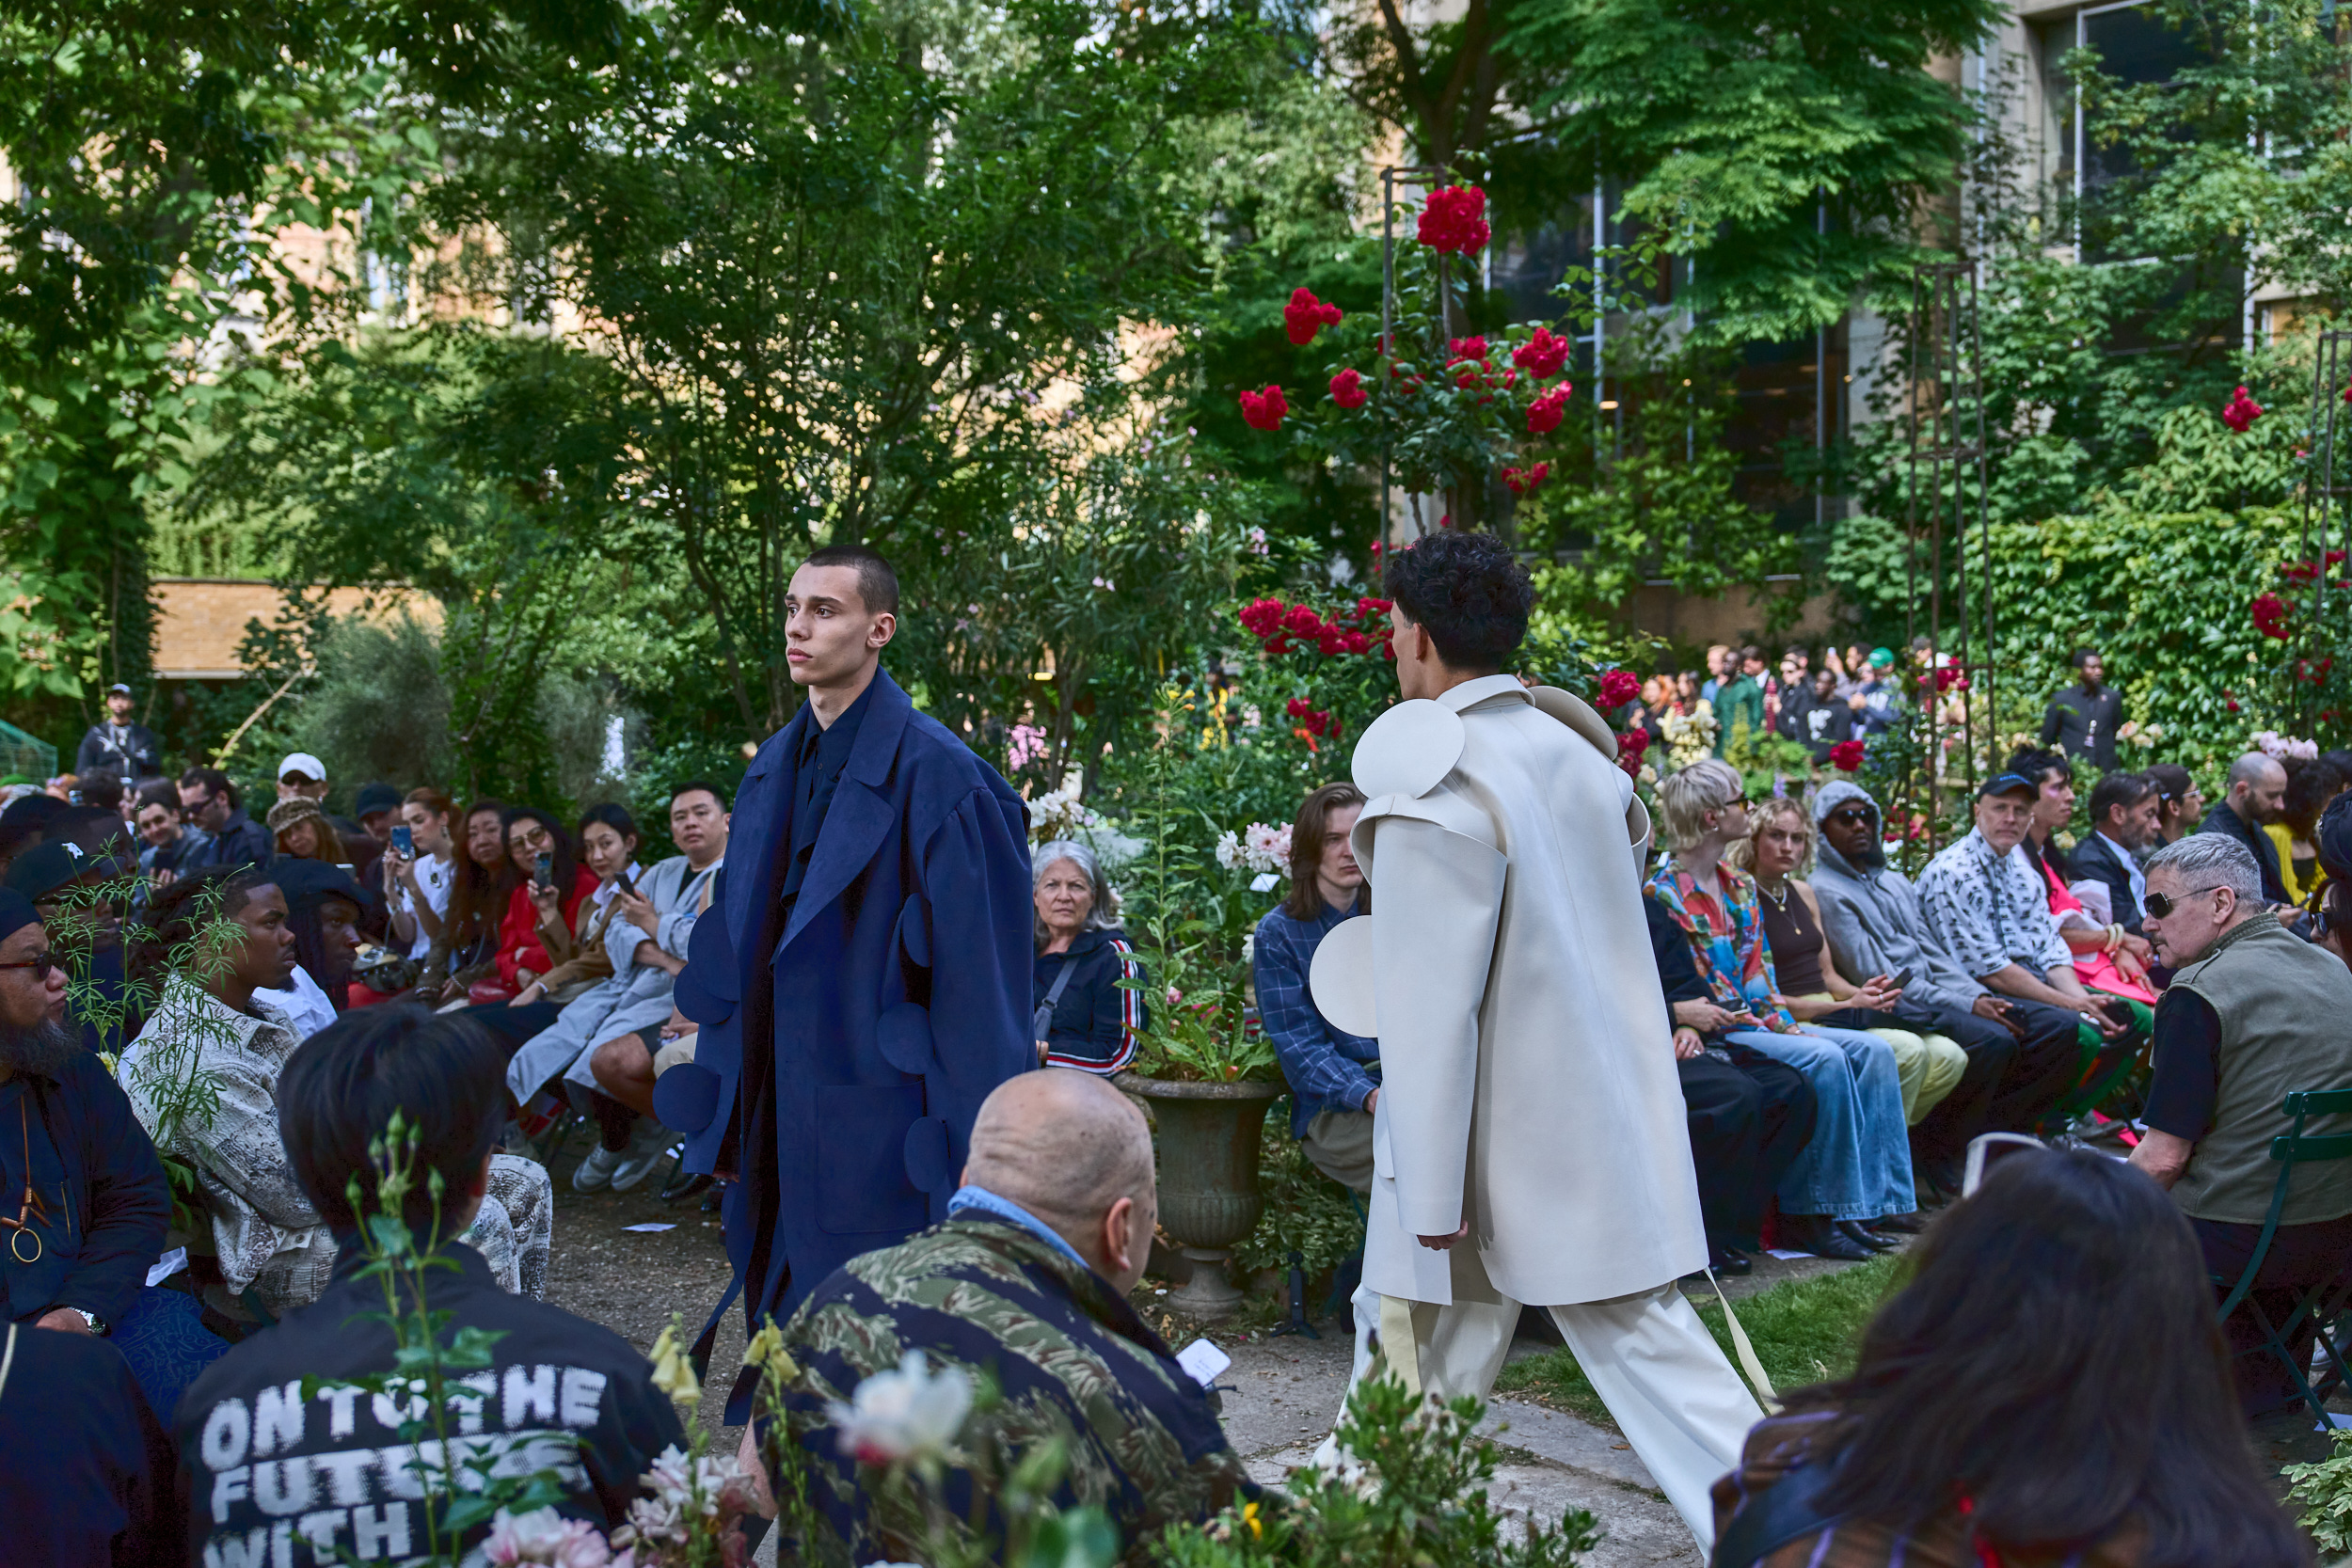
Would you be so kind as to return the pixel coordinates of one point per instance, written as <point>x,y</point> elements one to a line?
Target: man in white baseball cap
<point>301,776</point>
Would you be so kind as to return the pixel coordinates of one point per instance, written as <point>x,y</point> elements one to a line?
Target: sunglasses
<point>1850,817</point>
<point>41,964</point>
<point>2162,905</point>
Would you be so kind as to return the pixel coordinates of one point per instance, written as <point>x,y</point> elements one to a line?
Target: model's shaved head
<point>1063,1145</point>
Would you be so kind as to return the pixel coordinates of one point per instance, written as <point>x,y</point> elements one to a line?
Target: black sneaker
<point>685,1185</point>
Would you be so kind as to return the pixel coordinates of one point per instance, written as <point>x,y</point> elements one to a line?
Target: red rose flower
<point>1618,687</point>
<point>2240,412</point>
<point>1845,756</point>
<point>1302,622</point>
<point>1332,642</point>
<point>1265,410</point>
<point>1526,482</point>
<point>1370,607</point>
<point>1357,643</point>
<point>1455,218</point>
<point>1305,315</point>
<point>1262,618</point>
<point>1543,415</point>
<point>1543,354</point>
<point>2270,616</point>
<point>1347,389</point>
<point>1459,349</point>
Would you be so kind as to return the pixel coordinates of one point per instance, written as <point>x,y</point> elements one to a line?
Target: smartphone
<point>543,871</point>
<point>1988,1149</point>
<point>404,842</point>
<point>1900,980</point>
<point>624,884</point>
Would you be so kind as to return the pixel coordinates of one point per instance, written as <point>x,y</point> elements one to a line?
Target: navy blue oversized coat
<point>896,999</point>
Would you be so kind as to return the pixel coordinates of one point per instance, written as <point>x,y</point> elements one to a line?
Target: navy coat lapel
<point>860,816</point>
<point>763,817</point>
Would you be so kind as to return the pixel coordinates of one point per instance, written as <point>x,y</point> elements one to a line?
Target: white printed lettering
<point>282,1546</point>
<point>398,1466</point>
<point>227,1431</point>
<point>348,1472</point>
<point>530,1396</point>
<point>232,1486</point>
<point>583,1392</point>
<point>283,1486</point>
<point>276,1419</point>
<point>470,1396</point>
<point>339,1409</point>
<point>250,1550</point>
<point>319,1529</point>
<point>380,1532</point>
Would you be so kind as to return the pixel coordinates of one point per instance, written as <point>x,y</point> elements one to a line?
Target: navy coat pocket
<point>862,1182</point>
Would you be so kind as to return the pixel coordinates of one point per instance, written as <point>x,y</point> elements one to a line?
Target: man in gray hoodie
<point>2027,1054</point>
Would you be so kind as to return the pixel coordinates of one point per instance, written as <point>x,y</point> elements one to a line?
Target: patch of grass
<point>1804,1331</point>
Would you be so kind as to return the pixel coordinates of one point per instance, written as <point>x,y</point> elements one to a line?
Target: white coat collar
<point>1470,693</point>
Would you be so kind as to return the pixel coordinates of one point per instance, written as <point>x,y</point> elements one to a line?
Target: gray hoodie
<point>1874,923</point>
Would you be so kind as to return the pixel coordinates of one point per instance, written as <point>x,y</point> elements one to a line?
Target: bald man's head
<point>1068,1147</point>
<point>2258,788</point>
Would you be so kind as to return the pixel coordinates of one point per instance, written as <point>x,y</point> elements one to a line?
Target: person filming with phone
<point>2253,1014</point>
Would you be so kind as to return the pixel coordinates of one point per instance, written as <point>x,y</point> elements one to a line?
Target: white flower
<point>544,1536</point>
<point>1229,849</point>
<point>909,1414</point>
<point>1268,848</point>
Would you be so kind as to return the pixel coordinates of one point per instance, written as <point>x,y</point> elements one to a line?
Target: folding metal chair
<point>2326,1300</point>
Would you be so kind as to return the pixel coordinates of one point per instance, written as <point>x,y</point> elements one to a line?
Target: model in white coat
<point>1528,1143</point>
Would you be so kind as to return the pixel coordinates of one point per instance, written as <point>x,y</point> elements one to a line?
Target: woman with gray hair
<point>1085,1019</point>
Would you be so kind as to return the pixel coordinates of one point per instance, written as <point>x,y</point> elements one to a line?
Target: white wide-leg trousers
<point>1677,1401</point>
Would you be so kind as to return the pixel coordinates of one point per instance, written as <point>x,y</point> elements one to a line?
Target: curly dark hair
<point>1469,592</point>
<point>176,913</point>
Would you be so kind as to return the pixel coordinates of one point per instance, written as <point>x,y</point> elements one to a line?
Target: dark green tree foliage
<point>1787,147</point>
<point>850,290</point>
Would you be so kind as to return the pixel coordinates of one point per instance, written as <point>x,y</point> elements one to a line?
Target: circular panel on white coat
<point>1341,978</point>
<point>1407,750</point>
<point>1577,713</point>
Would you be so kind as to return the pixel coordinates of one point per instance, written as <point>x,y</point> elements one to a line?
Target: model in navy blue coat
<point>882,1015</point>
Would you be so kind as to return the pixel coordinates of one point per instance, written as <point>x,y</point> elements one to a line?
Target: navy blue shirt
<point>824,752</point>
<point>1096,1019</point>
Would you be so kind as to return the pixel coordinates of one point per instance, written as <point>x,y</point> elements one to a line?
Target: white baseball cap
<point>304,764</point>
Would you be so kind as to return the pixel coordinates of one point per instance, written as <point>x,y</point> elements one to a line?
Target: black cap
<point>308,882</point>
<point>373,798</point>
<point>117,687</point>
<point>2010,783</point>
<point>36,809</point>
<point>16,913</point>
<point>46,867</point>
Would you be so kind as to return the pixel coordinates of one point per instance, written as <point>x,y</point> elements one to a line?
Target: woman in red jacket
<point>536,934</point>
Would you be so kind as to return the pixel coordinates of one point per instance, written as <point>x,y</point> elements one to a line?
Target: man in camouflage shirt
<point>1023,1287</point>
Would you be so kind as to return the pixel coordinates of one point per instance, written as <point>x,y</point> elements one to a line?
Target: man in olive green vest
<point>2253,1014</point>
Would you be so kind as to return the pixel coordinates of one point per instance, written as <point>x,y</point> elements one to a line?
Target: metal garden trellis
<point>1944,409</point>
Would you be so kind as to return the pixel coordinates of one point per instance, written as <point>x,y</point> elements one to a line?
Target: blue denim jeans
<point>1858,1166</point>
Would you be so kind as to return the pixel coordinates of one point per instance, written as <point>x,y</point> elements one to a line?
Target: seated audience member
<point>1086,1019</point>
<point>165,840</point>
<point>1964,1436</point>
<point>2257,793</point>
<point>1025,1285</point>
<point>541,912</point>
<point>1334,1077</point>
<point>2109,959</point>
<point>566,1394</point>
<point>1814,716</point>
<point>482,881</point>
<point>85,1470</point>
<point>1871,918</point>
<point>2124,808</point>
<point>2312,783</point>
<point>2332,928</point>
<point>1991,908</point>
<point>375,808</point>
<point>1778,847</point>
<point>625,1063</point>
<point>2180,804</point>
<point>300,828</point>
<point>83,1243</point>
<point>1856,1171</point>
<point>102,791</point>
<point>641,935</point>
<point>2253,1014</point>
<point>232,839</point>
<point>76,892</point>
<point>418,886</point>
<point>268,1249</point>
<point>1749,1116</point>
<point>322,906</point>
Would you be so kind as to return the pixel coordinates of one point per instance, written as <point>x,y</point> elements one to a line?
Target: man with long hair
<point>864,980</point>
<point>1528,1144</point>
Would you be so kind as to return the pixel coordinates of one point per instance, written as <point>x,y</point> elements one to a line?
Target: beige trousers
<point>1929,1067</point>
<point>1675,1398</point>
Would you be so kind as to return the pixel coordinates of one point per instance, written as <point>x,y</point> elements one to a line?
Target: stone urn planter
<point>1207,1139</point>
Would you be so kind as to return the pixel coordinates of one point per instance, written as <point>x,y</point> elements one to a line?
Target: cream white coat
<point>1526,1059</point>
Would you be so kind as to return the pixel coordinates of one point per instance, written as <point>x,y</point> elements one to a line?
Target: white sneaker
<point>648,1149</point>
<point>596,1172</point>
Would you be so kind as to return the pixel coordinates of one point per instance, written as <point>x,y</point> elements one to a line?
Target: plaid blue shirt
<point>1328,1069</point>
